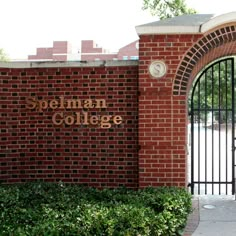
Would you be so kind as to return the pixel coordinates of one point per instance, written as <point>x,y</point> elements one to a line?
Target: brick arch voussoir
<point>213,45</point>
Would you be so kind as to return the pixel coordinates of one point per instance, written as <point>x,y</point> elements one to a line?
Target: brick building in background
<point>91,52</point>
<point>60,51</point>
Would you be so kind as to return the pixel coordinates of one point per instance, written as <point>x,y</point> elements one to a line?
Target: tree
<point>167,8</point>
<point>3,55</point>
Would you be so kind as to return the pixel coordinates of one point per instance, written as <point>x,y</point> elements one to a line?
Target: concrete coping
<point>58,64</point>
<point>186,24</point>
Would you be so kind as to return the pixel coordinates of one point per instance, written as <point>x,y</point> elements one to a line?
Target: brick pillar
<point>162,114</point>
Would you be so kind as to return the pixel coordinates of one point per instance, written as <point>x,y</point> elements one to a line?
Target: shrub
<point>59,209</point>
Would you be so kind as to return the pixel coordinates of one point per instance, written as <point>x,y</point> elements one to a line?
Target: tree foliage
<point>167,8</point>
<point>3,55</point>
<point>212,93</point>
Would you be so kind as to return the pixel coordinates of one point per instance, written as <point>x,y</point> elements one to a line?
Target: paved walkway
<point>193,219</point>
<point>212,216</point>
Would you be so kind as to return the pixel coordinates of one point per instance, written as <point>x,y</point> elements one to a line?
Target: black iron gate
<point>212,115</point>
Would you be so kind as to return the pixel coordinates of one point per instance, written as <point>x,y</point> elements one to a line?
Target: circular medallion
<point>157,69</point>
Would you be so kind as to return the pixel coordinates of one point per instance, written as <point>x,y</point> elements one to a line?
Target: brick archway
<point>215,44</point>
<point>186,44</point>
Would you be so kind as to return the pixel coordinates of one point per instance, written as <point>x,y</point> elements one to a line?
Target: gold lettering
<point>100,103</point>
<point>57,118</point>
<point>77,118</point>
<point>73,104</point>
<point>117,120</point>
<point>105,122</point>
<point>62,102</point>
<point>69,120</point>
<point>53,104</point>
<point>93,120</point>
<point>43,104</point>
<point>31,103</point>
<point>88,103</point>
<point>85,121</point>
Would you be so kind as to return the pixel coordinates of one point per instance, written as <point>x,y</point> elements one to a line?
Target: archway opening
<point>211,130</point>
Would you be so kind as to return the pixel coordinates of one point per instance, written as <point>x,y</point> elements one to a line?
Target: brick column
<point>162,114</point>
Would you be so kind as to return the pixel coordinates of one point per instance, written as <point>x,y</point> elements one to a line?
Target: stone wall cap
<point>219,20</point>
<point>194,23</point>
<point>58,64</point>
<point>178,24</point>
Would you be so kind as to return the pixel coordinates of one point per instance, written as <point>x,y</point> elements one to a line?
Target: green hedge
<point>59,209</point>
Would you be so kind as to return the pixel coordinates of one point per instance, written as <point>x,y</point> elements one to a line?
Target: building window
<point>125,57</point>
<point>134,57</point>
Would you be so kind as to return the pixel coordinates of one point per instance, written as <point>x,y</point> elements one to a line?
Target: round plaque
<point>157,69</point>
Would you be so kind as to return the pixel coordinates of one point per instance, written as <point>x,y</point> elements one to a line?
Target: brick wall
<point>162,116</point>
<point>33,148</point>
<point>148,148</point>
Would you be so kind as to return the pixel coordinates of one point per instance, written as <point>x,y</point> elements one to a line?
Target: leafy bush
<point>59,209</point>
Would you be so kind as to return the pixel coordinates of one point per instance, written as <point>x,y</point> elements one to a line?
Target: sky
<point>29,24</point>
